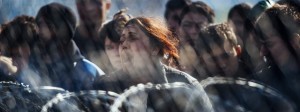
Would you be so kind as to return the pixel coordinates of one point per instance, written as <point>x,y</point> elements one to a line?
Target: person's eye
<point>108,47</point>
<point>132,37</point>
<point>187,25</point>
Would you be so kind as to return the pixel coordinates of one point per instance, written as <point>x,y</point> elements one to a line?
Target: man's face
<point>92,11</point>
<point>173,19</point>
<point>237,24</point>
<point>222,60</point>
<point>191,25</point>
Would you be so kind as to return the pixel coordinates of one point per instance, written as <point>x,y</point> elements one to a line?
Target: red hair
<point>159,35</point>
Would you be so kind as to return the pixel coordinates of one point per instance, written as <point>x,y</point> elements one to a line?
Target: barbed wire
<point>257,86</point>
<point>18,96</point>
<point>63,97</point>
<point>149,87</point>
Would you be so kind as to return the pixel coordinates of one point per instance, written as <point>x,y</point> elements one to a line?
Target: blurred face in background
<point>53,42</point>
<point>237,23</point>
<point>92,11</point>
<point>173,20</point>
<point>191,24</point>
<point>112,51</point>
<point>273,43</point>
<point>253,47</point>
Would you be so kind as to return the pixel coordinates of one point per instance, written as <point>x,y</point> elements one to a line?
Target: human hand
<point>6,65</point>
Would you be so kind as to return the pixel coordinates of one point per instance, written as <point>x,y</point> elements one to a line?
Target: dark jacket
<point>286,83</point>
<point>73,73</point>
<point>86,44</point>
<point>119,81</point>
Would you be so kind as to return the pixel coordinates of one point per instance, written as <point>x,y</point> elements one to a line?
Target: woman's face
<point>135,51</point>
<point>274,43</point>
<point>112,51</point>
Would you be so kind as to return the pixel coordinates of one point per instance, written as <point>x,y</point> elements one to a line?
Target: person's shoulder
<point>115,82</point>
<point>175,75</point>
<point>77,34</point>
<point>90,67</point>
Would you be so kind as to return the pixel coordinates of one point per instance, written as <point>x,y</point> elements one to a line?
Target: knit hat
<point>55,15</point>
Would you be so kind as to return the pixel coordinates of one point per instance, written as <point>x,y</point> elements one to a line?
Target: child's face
<point>222,60</point>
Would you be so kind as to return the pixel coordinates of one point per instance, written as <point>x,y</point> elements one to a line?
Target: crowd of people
<point>259,43</point>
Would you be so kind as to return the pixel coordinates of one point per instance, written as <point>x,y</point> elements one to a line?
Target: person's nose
<point>116,50</point>
<point>193,29</point>
<point>124,45</point>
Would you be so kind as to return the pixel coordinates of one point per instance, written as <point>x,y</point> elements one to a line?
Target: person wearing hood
<point>64,64</point>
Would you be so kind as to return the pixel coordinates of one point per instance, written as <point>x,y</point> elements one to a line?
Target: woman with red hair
<point>145,42</point>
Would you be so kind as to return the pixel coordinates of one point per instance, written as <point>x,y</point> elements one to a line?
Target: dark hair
<point>56,15</point>
<point>19,31</point>
<point>109,29</point>
<point>174,5</point>
<point>242,9</point>
<point>285,19</point>
<point>159,35</point>
<point>216,34</point>
<point>200,8</point>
